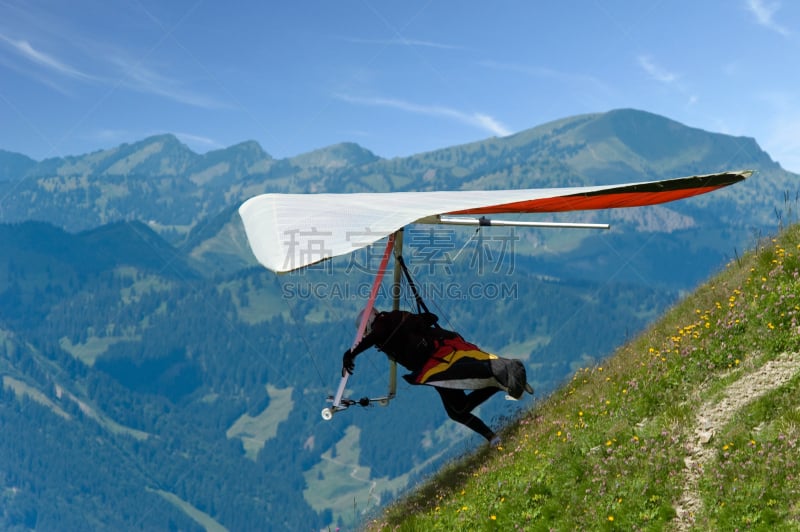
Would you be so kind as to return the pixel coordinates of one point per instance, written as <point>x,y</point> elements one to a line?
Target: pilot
<point>443,359</point>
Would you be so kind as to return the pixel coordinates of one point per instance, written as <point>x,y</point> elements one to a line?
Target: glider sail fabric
<point>291,231</point>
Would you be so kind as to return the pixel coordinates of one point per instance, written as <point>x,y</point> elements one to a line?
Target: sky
<point>397,77</point>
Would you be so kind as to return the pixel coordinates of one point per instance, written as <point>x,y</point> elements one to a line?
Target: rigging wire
<point>466,243</point>
<point>443,315</point>
<point>309,352</point>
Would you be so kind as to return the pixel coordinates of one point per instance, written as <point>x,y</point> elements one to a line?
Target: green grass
<point>608,450</point>
<point>200,517</point>
<point>22,389</point>
<point>94,347</point>
<point>349,490</point>
<point>255,431</point>
<point>261,304</point>
<point>745,486</point>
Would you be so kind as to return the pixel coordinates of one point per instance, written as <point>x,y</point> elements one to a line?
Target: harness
<point>421,306</point>
<point>450,355</point>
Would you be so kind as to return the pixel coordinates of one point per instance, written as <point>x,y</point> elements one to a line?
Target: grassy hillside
<point>692,426</point>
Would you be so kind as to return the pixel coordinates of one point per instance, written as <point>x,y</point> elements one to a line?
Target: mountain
<point>629,142</point>
<point>14,165</point>
<point>346,154</point>
<point>42,264</point>
<point>158,181</point>
<point>184,381</point>
<point>162,182</point>
<point>139,340</point>
<point>121,371</point>
<point>90,252</point>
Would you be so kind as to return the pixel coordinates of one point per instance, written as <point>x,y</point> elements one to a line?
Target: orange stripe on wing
<point>584,202</point>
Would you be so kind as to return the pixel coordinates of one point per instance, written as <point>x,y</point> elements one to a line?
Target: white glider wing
<point>290,231</point>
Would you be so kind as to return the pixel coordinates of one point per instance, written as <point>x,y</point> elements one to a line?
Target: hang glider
<point>290,231</point>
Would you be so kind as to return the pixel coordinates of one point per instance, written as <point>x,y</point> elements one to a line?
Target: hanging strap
<point>421,307</point>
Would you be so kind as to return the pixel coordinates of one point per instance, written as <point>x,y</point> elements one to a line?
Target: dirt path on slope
<point>712,416</point>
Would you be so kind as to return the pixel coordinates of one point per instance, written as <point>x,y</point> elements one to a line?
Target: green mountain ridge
<point>103,248</point>
<point>14,165</point>
<point>337,156</point>
<point>617,146</point>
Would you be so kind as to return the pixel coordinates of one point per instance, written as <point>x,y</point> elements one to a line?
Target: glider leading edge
<point>287,232</point>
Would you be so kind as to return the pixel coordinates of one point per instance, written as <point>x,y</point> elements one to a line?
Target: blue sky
<point>398,78</point>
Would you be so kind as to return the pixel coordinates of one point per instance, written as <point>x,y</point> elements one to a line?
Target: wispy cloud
<point>666,77</point>
<point>486,122</point>
<point>120,73</point>
<point>404,42</point>
<point>198,141</point>
<point>568,78</point>
<point>765,15</point>
<point>655,71</point>
<point>138,77</point>
<point>25,50</point>
<point>479,120</point>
